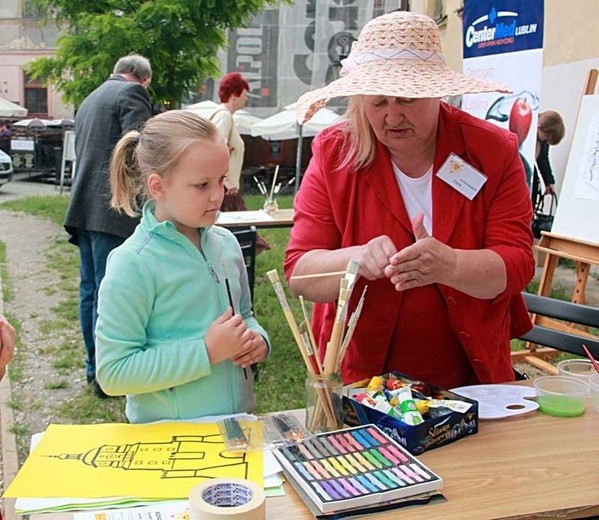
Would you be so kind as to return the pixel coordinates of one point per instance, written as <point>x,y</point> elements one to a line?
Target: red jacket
<point>340,208</point>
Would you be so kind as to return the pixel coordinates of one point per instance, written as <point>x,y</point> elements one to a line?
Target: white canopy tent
<point>10,109</point>
<point>284,125</point>
<point>43,123</point>
<point>243,119</point>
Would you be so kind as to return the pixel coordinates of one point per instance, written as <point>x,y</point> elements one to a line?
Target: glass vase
<point>324,403</point>
<point>271,205</point>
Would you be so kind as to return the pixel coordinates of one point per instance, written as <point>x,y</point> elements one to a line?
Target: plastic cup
<point>581,369</point>
<point>561,396</point>
<point>594,384</point>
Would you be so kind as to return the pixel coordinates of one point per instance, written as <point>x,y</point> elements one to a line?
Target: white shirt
<point>417,195</point>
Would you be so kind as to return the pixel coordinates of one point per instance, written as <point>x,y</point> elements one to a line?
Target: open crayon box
<point>443,426</point>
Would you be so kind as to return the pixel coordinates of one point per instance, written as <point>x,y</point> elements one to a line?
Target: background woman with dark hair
<point>550,131</point>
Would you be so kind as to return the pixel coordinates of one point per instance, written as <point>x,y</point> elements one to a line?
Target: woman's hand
<point>374,257</point>
<point>425,262</point>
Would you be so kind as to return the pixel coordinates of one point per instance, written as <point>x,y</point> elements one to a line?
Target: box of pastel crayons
<point>356,469</point>
<point>417,415</point>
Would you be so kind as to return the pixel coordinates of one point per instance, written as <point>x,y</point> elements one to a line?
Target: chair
<point>68,155</point>
<point>565,337</point>
<point>247,240</point>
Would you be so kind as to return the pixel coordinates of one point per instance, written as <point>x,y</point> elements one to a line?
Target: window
<point>36,97</point>
<point>439,15</point>
<point>30,10</point>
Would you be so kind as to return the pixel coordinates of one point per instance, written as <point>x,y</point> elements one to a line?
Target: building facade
<point>22,39</point>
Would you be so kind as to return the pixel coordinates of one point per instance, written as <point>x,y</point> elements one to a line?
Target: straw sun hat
<point>397,54</point>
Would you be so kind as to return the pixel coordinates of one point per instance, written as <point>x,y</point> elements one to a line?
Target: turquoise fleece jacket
<point>156,302</point>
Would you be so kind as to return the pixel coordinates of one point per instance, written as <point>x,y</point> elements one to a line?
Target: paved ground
<point>23,185</point>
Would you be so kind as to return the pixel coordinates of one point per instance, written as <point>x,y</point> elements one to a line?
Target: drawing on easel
<point>587,182</point>
<point>577,212</point>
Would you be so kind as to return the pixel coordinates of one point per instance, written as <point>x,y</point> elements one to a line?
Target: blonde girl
<point>167,337</point>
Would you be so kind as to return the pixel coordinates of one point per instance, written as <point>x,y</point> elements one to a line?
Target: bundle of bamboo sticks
<point>323,416</point>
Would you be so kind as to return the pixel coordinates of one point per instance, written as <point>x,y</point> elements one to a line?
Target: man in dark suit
<point>120,104</point>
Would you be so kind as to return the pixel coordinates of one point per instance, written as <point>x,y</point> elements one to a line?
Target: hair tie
<point>137,139</point>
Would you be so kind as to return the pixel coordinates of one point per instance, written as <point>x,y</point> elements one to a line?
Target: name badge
<point>461,176</point>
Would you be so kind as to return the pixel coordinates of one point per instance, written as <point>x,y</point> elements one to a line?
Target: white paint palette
<point>500,401</point>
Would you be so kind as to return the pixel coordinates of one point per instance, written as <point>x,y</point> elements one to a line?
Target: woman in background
<point>233,94</point>
<point>550,131</point>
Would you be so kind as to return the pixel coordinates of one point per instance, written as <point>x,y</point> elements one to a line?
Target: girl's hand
<point>227,337</point>
<point>254,351</point>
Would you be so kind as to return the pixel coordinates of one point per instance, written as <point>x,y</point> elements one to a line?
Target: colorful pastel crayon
<point>380,457</point>
<point>376,481</point>
<point>329,467</point>
<point>348,487</point>
<point>330,490</point>
<point>339,488</point>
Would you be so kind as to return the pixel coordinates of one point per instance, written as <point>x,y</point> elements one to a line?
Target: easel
<point>555,246</point>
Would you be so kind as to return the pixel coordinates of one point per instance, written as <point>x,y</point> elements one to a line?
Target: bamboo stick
<point>316,275</point>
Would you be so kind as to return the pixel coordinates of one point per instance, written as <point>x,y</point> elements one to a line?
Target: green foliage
<point>181,39</point>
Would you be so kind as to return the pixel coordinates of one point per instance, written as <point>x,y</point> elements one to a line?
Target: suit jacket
<point>339,208</point>
<point>111,110</point>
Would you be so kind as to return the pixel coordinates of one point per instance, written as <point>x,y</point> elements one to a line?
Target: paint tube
<point>407,407</point>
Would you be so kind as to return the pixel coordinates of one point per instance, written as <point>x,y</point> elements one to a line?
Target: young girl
<point>166,334</point>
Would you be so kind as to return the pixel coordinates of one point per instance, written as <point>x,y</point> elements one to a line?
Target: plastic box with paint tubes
<point>416,414</point>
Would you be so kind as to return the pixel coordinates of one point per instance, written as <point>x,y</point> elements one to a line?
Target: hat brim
<point>407,79</point>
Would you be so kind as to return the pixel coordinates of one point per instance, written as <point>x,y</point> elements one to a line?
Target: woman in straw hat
<point>430,200</point>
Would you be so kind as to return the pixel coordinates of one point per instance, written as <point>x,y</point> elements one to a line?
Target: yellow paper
<point>151,461</point>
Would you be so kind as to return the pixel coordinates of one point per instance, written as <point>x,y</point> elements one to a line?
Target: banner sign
<point>288,51</point>
<point>500,27</point>
<point>503,42</point>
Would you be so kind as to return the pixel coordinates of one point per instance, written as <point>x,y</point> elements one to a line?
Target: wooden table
<point>236,219</point>
<point>527,466</point>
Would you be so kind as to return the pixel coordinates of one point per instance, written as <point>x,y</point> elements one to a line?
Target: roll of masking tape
<point>227,498</point>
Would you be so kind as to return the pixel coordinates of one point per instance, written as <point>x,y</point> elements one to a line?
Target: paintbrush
<point>346,286</point>
<point>230,296</point>
<point>590,356</point>
<point>260,185</point>
<point>289,183</point>
<point>353,321</point>
<point>302,341</point>
<point>274,182</point>
<point>280,292</point>
<point>310,333</point>
<point>316,275</point>
<point>314,366</point>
